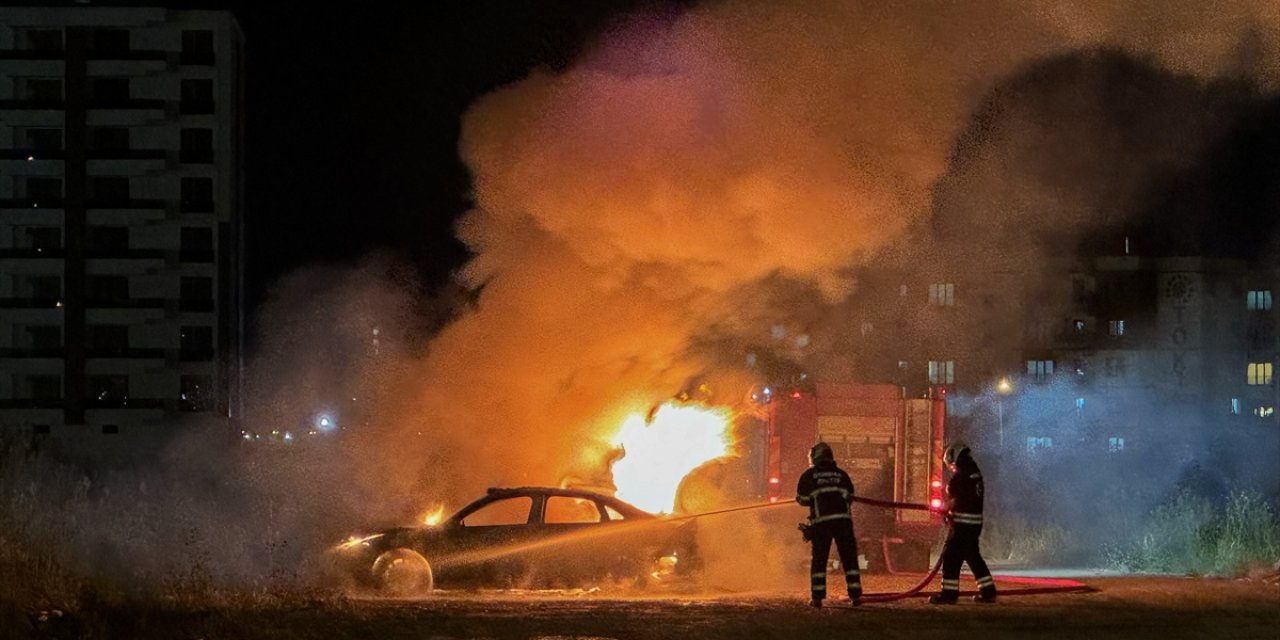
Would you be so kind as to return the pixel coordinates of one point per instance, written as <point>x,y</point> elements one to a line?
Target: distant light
<point>796,395</point>
<point>288,437</point>
<point>376,331</point>
<point>935,503</point>
<point>802,340</point>
<point>768,391</point>
<point>326,422</point>
<point>774,481</point>
<point>58,304</point>
<point>247,436</point>
<point>937,484</point>
<point>30,158</point>
<point>773,498</point>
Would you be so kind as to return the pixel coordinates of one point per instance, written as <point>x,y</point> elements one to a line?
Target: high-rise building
<point>121,203</point>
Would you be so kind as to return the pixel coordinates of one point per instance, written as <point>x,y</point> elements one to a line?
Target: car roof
<point>625,508</point>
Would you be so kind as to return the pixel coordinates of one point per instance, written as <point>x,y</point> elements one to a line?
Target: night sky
<point>353,121</point>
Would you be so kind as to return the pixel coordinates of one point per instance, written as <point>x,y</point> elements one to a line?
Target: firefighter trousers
<point>840,531</point>
<point>962,547</point>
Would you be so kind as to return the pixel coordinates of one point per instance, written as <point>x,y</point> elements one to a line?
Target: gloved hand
<point>805,532</point>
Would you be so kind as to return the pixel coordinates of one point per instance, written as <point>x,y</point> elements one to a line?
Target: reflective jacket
<point>964,492</point>
<point>826,490</point>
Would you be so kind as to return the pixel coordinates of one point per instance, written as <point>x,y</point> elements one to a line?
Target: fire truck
<point>890,445</point>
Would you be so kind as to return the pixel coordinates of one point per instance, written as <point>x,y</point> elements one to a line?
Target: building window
<point>1259,300</point>
<point>196,341</point>
<point>942,295</point>
<point>197,146</point>
<point>109,338</point>
<point>196,244</point>
<point>197,96</point>
<point>196,393</point>
<point>109,138</point>
<point>197,195</point>
<point>39,238</point>
<point>110,429</point>
<point>109,289</point>
<point>110,90</point>
<point>942,372</point>
<point>114,238</point>
<point>1235,406</point>
<point>40,89</point>
<point>1115,327</point>
<point>1040,369</point>
<point>41,39</point>
<point>196,294</point>
<point>1115,445</point>
<point>47,191</point>
<point>106,388</point>
<point>1115,367</point>
<point>197,47</point>
<point>1078,326</point>
<point>110,40</point>
<point>43,139</point>
<point>44,387</point>
<point>1264,411</point>
<point>48,336</point>
<point>44,287</point>
<point>1037,442</point>
<point>109,189</point>
<point>1259,373</point>
<point>867,328</point>
<point>1079,404</point>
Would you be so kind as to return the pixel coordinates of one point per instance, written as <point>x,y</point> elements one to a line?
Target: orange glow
<point>658,454</point>
<point>434,517</point>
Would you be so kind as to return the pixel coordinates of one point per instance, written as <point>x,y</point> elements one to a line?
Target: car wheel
<point>402,572</point>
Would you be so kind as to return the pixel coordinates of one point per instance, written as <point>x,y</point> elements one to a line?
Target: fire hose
<point>1038,585</point>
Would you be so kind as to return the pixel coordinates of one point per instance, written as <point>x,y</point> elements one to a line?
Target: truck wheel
<point>402,572</point>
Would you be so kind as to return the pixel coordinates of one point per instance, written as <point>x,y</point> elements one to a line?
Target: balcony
<point>197,355</point>
<point>198,306</point>
<point>31,203</point>
<point>32,352</point>
<point>124,154</point>
<point>123,403</point>
<point>127,54</point>
<point>129,303</point>
<point>32,254</point>
<point>197,58</point>
<point>32,105</point>
<point>32,154</point>
<point>30,303</point>
<point>124,353</point>
<point>122,253</point>
<point>127,104</point>
<point>125,204</point>
<point>31,403</point>
<point>32,54</point>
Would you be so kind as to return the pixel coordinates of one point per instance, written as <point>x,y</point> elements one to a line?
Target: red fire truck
<point>890,445</point>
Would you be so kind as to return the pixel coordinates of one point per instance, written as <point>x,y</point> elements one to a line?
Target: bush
<point>1016,540</point>
<point>1189,536</point>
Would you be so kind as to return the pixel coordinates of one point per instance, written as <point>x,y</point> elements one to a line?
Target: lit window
<point>1040,369</point>
<point>942,372</point>
<point>942,295</point>
<point>1115,445</point>
<point>1079,404</point>
<point>1078,325</point>
<point>1034,443</point>
<point>1115,327</point>
<point>1259,300</point>
<point>1264,412</point>
<point>866,329</point>
<point>1235,406</point>
<point>902,291</point>
<point>1259,373</point>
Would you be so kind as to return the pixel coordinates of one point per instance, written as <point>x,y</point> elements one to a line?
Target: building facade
<point>121,202</point>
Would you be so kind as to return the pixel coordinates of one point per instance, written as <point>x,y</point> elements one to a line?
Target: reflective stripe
<point>817,575</point>
<point>986,581</point>
<point>804,499</point>
<point>819,588</point>
<point>841,491</point>
<point>967,518</point>
<point>838,516</point>
<point>953,585</point>
<point>851,572</point>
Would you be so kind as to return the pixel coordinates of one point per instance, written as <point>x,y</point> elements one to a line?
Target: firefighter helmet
<point>954,452</point>
<point>821,451</point>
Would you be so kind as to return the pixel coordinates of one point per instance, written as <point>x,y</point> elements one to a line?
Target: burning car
<point>526,536</point>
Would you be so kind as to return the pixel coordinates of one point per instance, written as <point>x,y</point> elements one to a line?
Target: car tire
<point>402,572</point>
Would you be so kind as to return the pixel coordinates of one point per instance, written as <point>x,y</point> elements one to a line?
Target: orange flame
<point>434,516</point>
<point>659,453</point>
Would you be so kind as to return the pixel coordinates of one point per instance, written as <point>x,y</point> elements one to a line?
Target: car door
<point>572,549</point>
<point>488,544</point>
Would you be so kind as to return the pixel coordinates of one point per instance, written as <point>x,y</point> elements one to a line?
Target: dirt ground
<point>1120,607</point>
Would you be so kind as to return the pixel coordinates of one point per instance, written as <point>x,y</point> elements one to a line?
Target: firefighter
<point>828,492</point>
<point>964,513</point>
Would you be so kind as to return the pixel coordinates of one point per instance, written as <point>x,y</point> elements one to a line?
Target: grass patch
<point>1188,535</point>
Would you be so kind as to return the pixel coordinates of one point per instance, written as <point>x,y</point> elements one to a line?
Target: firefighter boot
<point>986,596</point>
<point>815,603</point>
<point>946,597</point>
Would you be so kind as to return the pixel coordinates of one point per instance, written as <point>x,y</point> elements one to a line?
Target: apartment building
<point>121,207</point>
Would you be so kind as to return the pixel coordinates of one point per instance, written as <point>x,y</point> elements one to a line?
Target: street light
<point>1003,388</point>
